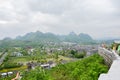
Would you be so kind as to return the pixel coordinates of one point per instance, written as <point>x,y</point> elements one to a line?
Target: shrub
<point>7,65</point>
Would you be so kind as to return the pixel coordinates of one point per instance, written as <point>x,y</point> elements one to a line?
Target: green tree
<point>37,74</point>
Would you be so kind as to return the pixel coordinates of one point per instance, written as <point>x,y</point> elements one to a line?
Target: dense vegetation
<point>86,69</point>
<point>6,64</point>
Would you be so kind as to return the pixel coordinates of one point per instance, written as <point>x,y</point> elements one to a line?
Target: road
<point>2,58</point>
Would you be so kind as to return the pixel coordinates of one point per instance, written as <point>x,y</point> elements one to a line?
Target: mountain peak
<point>38,32</point>
<point>72,33</point>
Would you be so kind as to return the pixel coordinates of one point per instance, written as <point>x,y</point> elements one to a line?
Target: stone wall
<point>112,59</point>
<point>108,56</point>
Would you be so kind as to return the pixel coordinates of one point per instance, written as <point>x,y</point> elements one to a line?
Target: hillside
<point>86,69</point>
<point>38,38</point>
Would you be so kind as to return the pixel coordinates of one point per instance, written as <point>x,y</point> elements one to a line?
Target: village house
<point>17,54</point>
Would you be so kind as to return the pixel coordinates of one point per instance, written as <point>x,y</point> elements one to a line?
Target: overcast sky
<point>98,18</point>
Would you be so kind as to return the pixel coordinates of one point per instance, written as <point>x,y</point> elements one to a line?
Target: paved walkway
<point>113,73</point>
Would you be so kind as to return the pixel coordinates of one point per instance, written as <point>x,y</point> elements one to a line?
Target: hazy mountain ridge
<point>35,38</point>
<point>72,37</point>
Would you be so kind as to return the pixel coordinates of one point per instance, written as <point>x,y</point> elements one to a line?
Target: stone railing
<point>109,56</point>
<point>112,59</point>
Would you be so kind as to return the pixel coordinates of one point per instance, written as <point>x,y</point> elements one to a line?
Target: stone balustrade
<point>109,56</point>
<point>112,59</point>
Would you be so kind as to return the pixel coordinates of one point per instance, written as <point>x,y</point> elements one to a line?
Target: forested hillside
<point>86,69</point>
<point>38,38</point>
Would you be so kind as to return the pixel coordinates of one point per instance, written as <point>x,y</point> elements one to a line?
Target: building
<point>17,54</point>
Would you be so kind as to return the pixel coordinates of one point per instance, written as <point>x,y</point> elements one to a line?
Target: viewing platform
<point>112,59</point>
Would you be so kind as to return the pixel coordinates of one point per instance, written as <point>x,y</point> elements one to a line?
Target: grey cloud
<point>50,6</point>
<point>60,17</point>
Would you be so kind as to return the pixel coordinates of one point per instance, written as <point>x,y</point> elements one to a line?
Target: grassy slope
<point>87,69</point>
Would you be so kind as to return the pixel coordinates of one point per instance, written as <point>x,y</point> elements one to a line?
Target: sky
<point>98,18</point>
